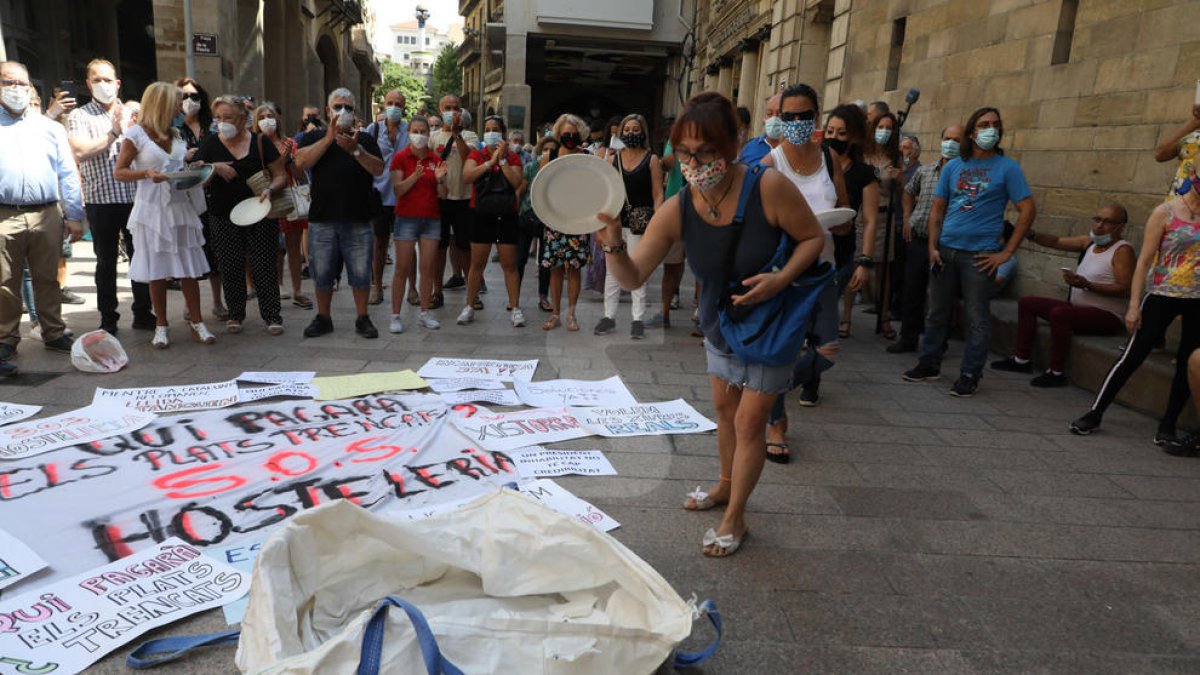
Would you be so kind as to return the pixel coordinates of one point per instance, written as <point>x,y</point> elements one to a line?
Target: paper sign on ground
<point>349,386</point>
<point>509,431</point>
<point>67,626</point>
<point>644,419</point>
<point>277,376</point>
<point>17,560</point>
<point>15,412</point>
<point>610,393</point>
<point>241,558</point>
<point>443,386</point>
<point>294,390</point>
<point>505,371</point>
<point>556,497</point>
<point>77,427</point>
<point>493,396</point>
<point>207,396</point>
<point>540,462</point>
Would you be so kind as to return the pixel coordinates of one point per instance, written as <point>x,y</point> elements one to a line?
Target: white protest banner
<point>17,560</point>
<point>493,396</point>
<point>241,558</point>
<point>538,462</point>
<point>509,431</point>
<point>224,477</point>
<point>85,425</point>
<point>505,371</point>
<point>207,396</point>
<point>459,383</point>
<point>609,393</point>
<point>289,389</point>
<point>67,626</point>
<point>15,412</point>
<point>558,498</point>
<point>644,419</point>
<point>277,376</point>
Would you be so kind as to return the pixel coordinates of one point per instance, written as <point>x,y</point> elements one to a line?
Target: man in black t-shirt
<point>343,164</point>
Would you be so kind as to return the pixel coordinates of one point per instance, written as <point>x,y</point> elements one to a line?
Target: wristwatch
<point>357,151</point>
<point>619,248</point>
<point>864,261</point>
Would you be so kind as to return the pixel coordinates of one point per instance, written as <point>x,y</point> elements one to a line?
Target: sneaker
<point>1188,446</point>
<point>1049,380</point>
<point>62,344</point>
<point>72,298</point>
<point>466,316</point>
<point>454,282</point>
<point>518,318</point>
<point>426,320</point>
<point>659,321</point>
<point>922,373</point>
<point>1086,424</point>
<point>1165,436</point>
<point>675,301</point>
<point>364,327</point>
<point>1011,365</point>
<point>901,346</point>
<point>810,395</point>
<point>320,325</point>
<point>7,369</point>
<point>637,330</point>
<point>604,326</point>
<point>201,333</point>
<point>396,325</point>
<point>965,386</point>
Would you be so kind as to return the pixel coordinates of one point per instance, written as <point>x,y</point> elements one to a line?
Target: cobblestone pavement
<point>913,532</point>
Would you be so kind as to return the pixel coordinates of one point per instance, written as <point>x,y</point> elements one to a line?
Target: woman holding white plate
<point>565,254</point>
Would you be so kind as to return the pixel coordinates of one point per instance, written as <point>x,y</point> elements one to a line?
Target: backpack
<point>494,195</point>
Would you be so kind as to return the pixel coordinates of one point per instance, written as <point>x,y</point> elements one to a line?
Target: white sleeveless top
<point>1098,269</point>
<point>818,190</point>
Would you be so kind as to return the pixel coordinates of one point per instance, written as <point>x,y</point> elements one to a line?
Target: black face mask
<point>570,141</point>
<point>837,145</point>
<point>633,140</point>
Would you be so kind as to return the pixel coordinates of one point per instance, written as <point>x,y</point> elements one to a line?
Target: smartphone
<point>67,87</point>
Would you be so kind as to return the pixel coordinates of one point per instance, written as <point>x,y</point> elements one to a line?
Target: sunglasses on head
<point>795,116</point>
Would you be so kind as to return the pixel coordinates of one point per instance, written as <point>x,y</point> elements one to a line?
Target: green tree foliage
<point>447,76</point>
<point>400,76</point>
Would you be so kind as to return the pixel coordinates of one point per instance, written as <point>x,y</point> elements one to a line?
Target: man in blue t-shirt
<point>758,147</point>
<point>965,226</point>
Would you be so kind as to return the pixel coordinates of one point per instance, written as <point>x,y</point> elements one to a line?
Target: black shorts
<point>457,217</point>
<point>490,229</point>
<point>382,223</point>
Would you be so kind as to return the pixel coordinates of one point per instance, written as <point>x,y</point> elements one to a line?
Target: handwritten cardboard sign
<point>207,396</point>
<point>493,396</point>
<point>288,389</point>
<point>505,371</point>
<point>644,419</point>
<point>509,431</point>
<point>17,560</point>
<point>540,462</point>
<point>277,376</point>
<point>558,498</point>
<point>97,421</point>
<point>67,626</point>
<point>609,393</point>
<point>446,385</point>
<point>15,412</point>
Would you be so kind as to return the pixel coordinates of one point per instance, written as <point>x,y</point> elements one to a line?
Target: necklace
<point>714,210</point>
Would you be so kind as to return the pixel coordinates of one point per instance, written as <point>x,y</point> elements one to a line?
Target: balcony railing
<point>344,13</point>
<point>494,79</point>
<point>469,49</point>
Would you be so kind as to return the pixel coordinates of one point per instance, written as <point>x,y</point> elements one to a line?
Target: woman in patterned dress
<point>564,254</point>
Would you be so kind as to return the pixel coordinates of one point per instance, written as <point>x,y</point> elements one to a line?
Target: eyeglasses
<point>343,107</point>
<point>1105,221</point>
<point>194,96</point>
<point>13,83</point>
<point>704,156</point>
<point>801,115</point>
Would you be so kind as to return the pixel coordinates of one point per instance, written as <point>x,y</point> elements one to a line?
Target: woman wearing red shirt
<point>417,177</point>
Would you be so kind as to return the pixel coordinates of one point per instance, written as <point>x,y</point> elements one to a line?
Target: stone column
<point>710,77</point>
<point>516,97</point>
<point>725,76</point>
<point>748,82</point>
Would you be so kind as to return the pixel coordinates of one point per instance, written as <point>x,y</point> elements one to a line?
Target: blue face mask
<point>393,113</point>
<point>773,128</point>
<point>949,148</point>
<point>1100,239</point>
<point>882,136</point>
<point>987,139</point>
<point>492,138</point>
<point>798,132</point>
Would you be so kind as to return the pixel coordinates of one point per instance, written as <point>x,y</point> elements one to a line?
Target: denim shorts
<point>752,376</point>
<point>412,229</point>
<point>332,244</point>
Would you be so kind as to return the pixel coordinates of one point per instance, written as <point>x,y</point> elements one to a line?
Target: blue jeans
<point>332,244</point>
<point>958,271</point>
<point>811,363</point>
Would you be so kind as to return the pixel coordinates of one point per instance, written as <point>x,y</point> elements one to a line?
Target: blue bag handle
<point>692,659</point>
<point>753,173</point>
<point>164,650</point>
<point>372,644</point>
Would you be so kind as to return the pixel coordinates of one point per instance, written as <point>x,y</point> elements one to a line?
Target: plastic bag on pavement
<point>98,352</point>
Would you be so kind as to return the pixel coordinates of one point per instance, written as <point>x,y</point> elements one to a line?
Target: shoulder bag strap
<point>749,181</point>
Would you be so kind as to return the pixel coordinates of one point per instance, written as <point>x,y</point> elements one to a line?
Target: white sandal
<point>726,542</point>
<point>701,500</point>
<point>201,334</point>
<point>162,338</point>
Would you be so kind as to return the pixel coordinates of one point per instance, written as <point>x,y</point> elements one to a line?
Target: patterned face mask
<point>706,176</point>
<point>798,132</point>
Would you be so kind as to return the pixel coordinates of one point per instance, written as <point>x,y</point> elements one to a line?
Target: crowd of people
<point>449,194</point>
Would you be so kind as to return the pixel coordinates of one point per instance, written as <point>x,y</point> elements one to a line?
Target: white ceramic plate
<point>835,217</point>
<point>567,194</point>
<point>190,178</point>
<point>249,211</point>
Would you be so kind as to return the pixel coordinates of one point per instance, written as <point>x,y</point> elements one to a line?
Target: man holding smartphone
<point>94,132</point>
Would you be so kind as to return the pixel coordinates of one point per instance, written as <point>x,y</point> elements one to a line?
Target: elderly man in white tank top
<point>1098,293</point>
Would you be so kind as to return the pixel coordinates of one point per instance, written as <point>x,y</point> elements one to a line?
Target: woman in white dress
<point>165,222</point>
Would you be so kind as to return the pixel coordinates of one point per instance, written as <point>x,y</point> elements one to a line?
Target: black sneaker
<point>901,346</point>
<point>7,351</point>
<point>304,273</point>
<point>965,386</point>
<point>604,326</point>
<point>1010,365</point>
<point>454,282</point>
<point>364,327</point>
<point>922,373</point>
<point>1166,436</point>
<point>62,344</point>
<point>810,395</point>
<point>1086,424</point>
<point>143,323</point>
<point>7,369</point>
<point>1188,446</point>
<point>637,330</point>
<point>1048,380</point>
<point>320,325</point>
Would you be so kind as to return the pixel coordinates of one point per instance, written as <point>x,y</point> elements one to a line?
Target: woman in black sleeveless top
<point>704,139</point>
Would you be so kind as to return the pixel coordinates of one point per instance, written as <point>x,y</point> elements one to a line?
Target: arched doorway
<point>328,54</point>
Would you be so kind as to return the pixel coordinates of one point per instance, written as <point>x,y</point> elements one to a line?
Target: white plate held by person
<point>835,217</point>
<point>250,211</point>
<point>567,194</point>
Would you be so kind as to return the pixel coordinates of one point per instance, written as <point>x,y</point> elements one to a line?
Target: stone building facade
<point>1087,88</point>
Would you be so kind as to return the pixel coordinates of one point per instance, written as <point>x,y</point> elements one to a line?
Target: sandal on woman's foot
<point>844,329</point>
<point>726,543</point>
<point>545,305</point>
<point>302,301</point>
<point>414,298</point>
<point>783,456</point>
<point>477,305</point>
<point>700,501</point>
<point>437,301</point>
<point>201,333</point>
<point>572,324</point>
<point>220,312</point>
<point>551,323</point>
<point>161,339</point>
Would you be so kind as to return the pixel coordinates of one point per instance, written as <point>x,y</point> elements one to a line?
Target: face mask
<point>418,141</point>
<point>268,125</point>
<point>1100,239</point>
<point>633,140</point>
<point>774,128</point>
<point>190,107</point>
<point>616,144</point>
<point>949,148</point>
<point>16,98</point>
<point>227,130</point>
<point>882,136</point>
<point>798,132</point>
<point>104,92</point>
<point>492,138</point>
<point>707,176</point>
<point>987,139</point>
<point>570,141</point>
<point>393,113</point>
<point>448,118</point>
<point>345,119</point>
<point>515,147</point>
<point>838,145</point>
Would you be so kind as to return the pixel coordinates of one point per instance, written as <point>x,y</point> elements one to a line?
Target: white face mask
<point>268,125</point>
<point>104,92</point>
<point>418,141</point>
<point>227,130</point>
<point>515,147</point>
<point>16,98</point>
<point>190,107</point>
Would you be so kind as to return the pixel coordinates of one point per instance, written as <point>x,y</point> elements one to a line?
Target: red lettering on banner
<point>275,463</point>
<point>361,446</point>
<point>182,480</point>
<point>466,409</point>
<point>51,471</point>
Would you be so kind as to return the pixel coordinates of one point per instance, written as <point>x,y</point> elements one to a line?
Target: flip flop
<point>728,543</point>
<point>545,306</point>
<point>572,324</point>
<point>551,323</point>
<point>844,329</point>
<point>778,457</point>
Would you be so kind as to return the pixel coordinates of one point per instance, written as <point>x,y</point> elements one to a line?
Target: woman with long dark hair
<point>196,126</point>
<point>882,152</point>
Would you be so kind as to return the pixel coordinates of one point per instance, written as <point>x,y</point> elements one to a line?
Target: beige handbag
<point>281,202</point>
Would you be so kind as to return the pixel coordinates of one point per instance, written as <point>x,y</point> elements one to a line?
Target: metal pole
<point>187,39</point>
